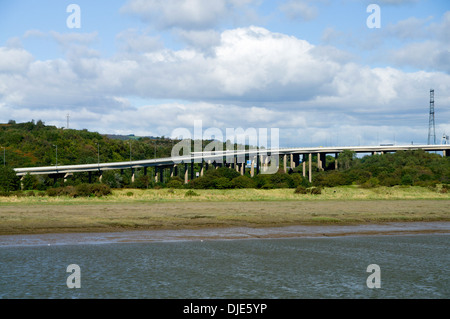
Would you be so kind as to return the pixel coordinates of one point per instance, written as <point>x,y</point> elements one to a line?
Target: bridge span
<point>264,161</point>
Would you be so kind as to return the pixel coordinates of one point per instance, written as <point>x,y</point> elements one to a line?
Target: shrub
<point>82,190</point>
<point>222,183</point>
<point>315,190</point>
<point>175,184</point>
<point>190,193</point>
<point>300,190</point>
<point>243,182</point>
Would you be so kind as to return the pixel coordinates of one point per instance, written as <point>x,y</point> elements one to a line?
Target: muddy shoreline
<point>230,233</point>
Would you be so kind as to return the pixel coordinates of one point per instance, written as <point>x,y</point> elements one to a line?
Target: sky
<point>324,72</point>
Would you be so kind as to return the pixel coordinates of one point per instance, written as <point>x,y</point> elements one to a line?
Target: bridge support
<point>310,167</point>
<point>67,175</point>
<point>186,173</point>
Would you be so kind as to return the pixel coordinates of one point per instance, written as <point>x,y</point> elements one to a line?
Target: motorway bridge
<point>258,161</point>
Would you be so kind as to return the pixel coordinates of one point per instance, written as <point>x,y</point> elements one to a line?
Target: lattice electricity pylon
<point>431,128</point>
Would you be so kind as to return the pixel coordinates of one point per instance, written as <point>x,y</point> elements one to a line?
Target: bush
<point>315,190</point>
<point>243,182</point>
<point>175,184</point>
<point>222,183</point>
<point>82,190</point>
<point>190,193</point>
<point>300,190</point>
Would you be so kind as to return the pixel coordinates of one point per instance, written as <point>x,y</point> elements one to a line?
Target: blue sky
<point>313,69</point>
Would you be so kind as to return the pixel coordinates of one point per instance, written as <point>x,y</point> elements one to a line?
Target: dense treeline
<point>417,168</point>
<point>31,144</point>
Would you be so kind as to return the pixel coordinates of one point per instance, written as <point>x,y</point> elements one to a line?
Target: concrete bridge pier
<point>252,166</point>
<point>66,176</point>
<point>304,164</point>
<point>310,167</point>
<point>186,173</point>
<point>321,161</point>
<point>133,174</point>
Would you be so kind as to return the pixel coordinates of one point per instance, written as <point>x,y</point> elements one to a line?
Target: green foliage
<point>9,181</point>
<point>175,182</point>
<point>242,182</point>
<point>81,190</point>
<point>191,193</point>
<point>300,190</point>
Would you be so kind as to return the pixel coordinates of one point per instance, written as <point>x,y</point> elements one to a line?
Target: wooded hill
<point>32,144</point>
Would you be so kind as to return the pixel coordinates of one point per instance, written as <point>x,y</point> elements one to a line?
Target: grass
<point>215,195</point>
<point>172,209</point>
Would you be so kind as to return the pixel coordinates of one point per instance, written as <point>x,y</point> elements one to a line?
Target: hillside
<point>32,144</point>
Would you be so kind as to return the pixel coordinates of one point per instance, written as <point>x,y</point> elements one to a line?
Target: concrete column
<point>236,165</point>
<point>21,182</point>
<point>310,167</point>
<point>336,161</point>
<point>156,174</point>
<point>100,177</point>
<point>185,173</point>
<point>284,163</point>
<point>67,176</point>
<point>171,170</point>
<point>201,168</point>
<point>242,168</point>
<point>304,164</point>
<point>319,162</point>
<point>132,175</point>
<point>252,167</point>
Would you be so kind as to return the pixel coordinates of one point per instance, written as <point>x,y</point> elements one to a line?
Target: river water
<point>316,262</point>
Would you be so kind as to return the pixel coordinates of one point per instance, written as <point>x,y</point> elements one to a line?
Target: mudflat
<point>25,218</point>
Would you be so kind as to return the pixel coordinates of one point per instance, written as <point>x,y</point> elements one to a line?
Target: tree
<point>9,181</point>
<point>346,159</point>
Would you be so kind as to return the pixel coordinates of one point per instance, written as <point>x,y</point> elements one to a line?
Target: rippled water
<point>412,266</point>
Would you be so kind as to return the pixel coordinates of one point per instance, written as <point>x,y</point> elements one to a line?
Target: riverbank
<point>167,209</point>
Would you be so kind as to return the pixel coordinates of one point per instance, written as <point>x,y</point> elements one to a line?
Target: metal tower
<point>431,128</point>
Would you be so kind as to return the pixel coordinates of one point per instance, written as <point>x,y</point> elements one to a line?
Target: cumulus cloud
<point>252,78</point>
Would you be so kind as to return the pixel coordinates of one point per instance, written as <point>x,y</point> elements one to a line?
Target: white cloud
<point>255,78</point>
<point>187,14</point>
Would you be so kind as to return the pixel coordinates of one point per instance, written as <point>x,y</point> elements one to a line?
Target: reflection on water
<point>412,266</point>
